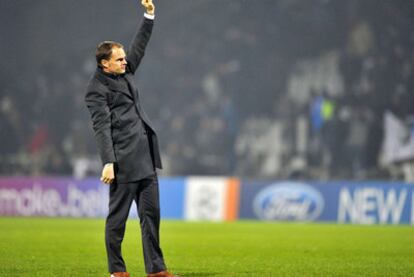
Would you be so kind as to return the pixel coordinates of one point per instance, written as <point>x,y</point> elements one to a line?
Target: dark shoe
<point>162,274</point>
<point>119,274</point>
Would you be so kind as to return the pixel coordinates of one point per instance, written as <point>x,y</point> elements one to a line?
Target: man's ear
<point>104,63</point>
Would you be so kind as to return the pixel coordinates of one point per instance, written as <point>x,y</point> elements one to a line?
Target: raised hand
<point>149,6</point>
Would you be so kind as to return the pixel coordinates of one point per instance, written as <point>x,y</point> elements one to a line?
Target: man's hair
<point>104,51</point>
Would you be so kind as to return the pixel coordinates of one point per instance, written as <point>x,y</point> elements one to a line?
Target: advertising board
<point>342,202</point>
<point>68,197</point>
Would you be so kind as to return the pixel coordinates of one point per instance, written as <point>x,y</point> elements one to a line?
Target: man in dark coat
<point>128,147</point>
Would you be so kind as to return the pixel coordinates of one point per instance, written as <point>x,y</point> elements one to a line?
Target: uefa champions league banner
<point>342,202</point>
<point>68,197</point>
<point>211,198</point>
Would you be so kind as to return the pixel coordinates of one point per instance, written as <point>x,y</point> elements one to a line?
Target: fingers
<point>107,180</point>
<point>148,4</point>
<point>108,174</point>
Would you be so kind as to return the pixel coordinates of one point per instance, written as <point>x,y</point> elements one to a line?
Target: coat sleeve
<point>101,123</point>
<point>137,47</point>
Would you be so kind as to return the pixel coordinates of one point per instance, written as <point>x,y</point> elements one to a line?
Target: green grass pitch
<point>74,247</point>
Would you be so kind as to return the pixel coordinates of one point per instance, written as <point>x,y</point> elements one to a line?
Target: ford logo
<point>288,201</point>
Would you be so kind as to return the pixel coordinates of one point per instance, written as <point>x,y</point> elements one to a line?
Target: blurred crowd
<point>280,89</point>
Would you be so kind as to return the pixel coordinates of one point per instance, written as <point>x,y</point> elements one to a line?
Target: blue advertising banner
<point>342,202</point>
<point>172,197</point>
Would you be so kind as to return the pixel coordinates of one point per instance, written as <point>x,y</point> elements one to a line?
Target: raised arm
<point>137,47</point>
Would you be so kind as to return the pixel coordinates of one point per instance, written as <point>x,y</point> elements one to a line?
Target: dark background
<point>230,85</point>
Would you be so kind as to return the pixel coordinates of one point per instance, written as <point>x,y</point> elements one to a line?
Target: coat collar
<point>112,83</point>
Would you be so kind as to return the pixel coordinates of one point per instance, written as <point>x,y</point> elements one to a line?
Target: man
<point>128,147</point>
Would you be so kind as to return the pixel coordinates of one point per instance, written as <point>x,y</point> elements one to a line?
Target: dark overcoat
<point>116,112</point>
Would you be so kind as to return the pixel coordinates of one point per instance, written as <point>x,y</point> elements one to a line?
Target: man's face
<point>117,63</point>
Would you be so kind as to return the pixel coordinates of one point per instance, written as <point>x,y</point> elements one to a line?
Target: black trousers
<point>146,195</point>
